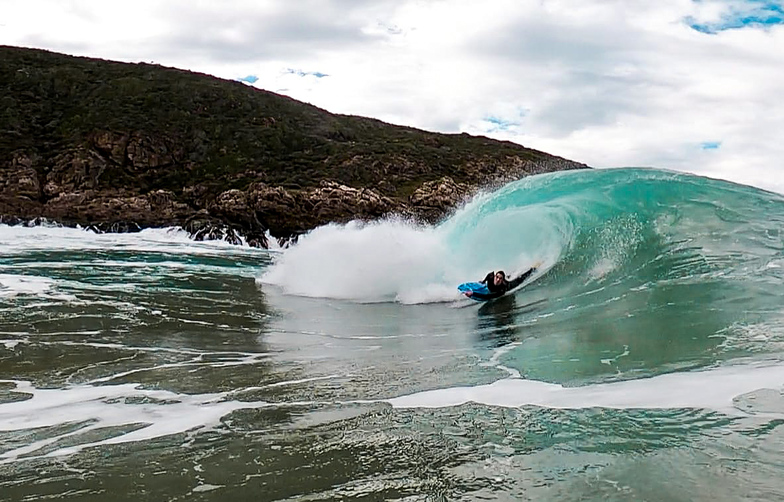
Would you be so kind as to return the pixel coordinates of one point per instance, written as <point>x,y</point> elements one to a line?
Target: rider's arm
<point>522,277</point>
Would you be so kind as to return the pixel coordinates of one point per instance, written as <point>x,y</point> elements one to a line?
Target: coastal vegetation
<point>121,146</point>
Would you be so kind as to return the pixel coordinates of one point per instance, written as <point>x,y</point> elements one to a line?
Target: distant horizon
<point>682,85</point>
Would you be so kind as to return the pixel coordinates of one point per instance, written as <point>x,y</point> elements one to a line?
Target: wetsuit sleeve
<point>481,296</point>
<point>522,277</point>
<point>488,278</point>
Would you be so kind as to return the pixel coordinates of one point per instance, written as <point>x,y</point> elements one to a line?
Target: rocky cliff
<point>119,147</point>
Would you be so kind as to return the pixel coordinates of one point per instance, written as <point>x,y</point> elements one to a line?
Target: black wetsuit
<point>501,289</point>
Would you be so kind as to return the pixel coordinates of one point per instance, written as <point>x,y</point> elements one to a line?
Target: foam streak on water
<point>713,389</point>
<point>122,413</point>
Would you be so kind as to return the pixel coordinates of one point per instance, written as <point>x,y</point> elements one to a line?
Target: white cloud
<point>606,82</point>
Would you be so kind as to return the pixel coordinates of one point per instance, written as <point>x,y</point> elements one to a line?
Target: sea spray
<point>364,262</point>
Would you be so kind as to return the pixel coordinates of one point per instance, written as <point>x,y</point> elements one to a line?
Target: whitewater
<point>644,359</point>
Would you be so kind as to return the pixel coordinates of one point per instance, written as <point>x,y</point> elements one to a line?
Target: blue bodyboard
<point>475,287</point>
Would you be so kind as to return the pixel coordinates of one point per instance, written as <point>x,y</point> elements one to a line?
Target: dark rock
<point>74,170</point>
<point>90,207</point>
<point>196,196</point>
<point>111,145</point>
<point>11,221</point>
<point>20,179</point>
<point>433,199</point>
<point>20,188</point>
<point>233,207</point>
<point>203,227</point>
<point>119,227</point>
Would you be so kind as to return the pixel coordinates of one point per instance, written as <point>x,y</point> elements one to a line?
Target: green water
<point>644,362</point>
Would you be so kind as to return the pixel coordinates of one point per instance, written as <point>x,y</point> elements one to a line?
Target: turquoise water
<point>643,361</point>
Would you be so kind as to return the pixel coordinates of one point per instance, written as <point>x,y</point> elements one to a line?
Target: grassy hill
<point>80,131</point>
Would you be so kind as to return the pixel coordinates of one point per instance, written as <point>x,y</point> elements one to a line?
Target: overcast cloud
<point>677,84</point>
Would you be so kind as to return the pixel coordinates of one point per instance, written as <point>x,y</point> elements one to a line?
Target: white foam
<point>611,360</point>
<point>20,239</point>
<point>157,413</point>
<point>206,488</point>
<point>429,293</point>
<point>495,361</point>
<point>28,285</point>
<point>372,262</point>
<point>710,389</point>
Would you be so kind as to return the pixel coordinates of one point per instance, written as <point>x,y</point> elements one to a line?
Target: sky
<point>687,85</point>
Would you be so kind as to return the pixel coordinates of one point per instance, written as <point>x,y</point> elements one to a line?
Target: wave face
<point>621,229</point>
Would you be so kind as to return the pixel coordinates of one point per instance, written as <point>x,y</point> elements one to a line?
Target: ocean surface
<point>644,360</point>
